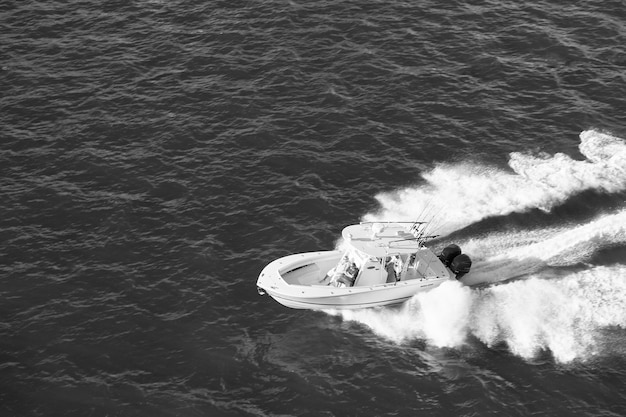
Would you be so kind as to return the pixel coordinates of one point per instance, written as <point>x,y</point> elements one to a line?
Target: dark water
<point>155,155</point>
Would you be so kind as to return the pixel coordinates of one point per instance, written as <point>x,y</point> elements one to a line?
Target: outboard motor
<point>461,265</point>
<point>449,253</point>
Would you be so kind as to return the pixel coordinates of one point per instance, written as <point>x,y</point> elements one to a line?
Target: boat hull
<point>305,290</point>
<point>375,298</point>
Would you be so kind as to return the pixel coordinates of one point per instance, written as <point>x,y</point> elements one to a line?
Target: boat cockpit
<point>356,269</point>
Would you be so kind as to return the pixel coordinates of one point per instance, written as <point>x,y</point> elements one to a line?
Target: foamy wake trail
<point>568,316</point>
<point>500,257</point>
<point>565,316</point>
<point>456,195</point>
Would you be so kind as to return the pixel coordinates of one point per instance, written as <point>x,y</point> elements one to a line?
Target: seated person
<point>344,274</point>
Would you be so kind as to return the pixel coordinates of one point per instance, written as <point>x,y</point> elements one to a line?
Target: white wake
<point>456,195</point>
<point>500,257</point>
<point>564,314</point>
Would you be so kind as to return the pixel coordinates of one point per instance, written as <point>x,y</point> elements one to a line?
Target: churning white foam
<point>433,315</point>
<point>500,257</point>
<point>456,195</point>
<point>565,315</point>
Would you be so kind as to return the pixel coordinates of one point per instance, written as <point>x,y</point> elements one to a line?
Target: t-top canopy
<point>382,239</point>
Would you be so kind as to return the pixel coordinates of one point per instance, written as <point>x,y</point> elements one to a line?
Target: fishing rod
<point>420,239</point>
<point>392,222</point>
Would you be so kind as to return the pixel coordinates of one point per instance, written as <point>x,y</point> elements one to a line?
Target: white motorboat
<point>382,264</point>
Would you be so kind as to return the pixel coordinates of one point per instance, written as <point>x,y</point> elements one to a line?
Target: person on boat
<point>393,266</point>
<point>346,277</point>
<point>390,267</point>
<point>351,273</point>
<point>344,274</point>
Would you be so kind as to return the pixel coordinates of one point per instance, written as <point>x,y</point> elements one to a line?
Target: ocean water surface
<point>156,155</point>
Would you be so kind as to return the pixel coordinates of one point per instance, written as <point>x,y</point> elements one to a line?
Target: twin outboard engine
<point>458,262</point>
<point>449,253</point>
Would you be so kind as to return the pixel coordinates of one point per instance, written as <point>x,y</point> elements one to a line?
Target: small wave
<point>565,316</point>
<point>457,195</point>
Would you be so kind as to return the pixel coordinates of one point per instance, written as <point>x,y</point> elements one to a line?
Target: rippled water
<point>156,155</point>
